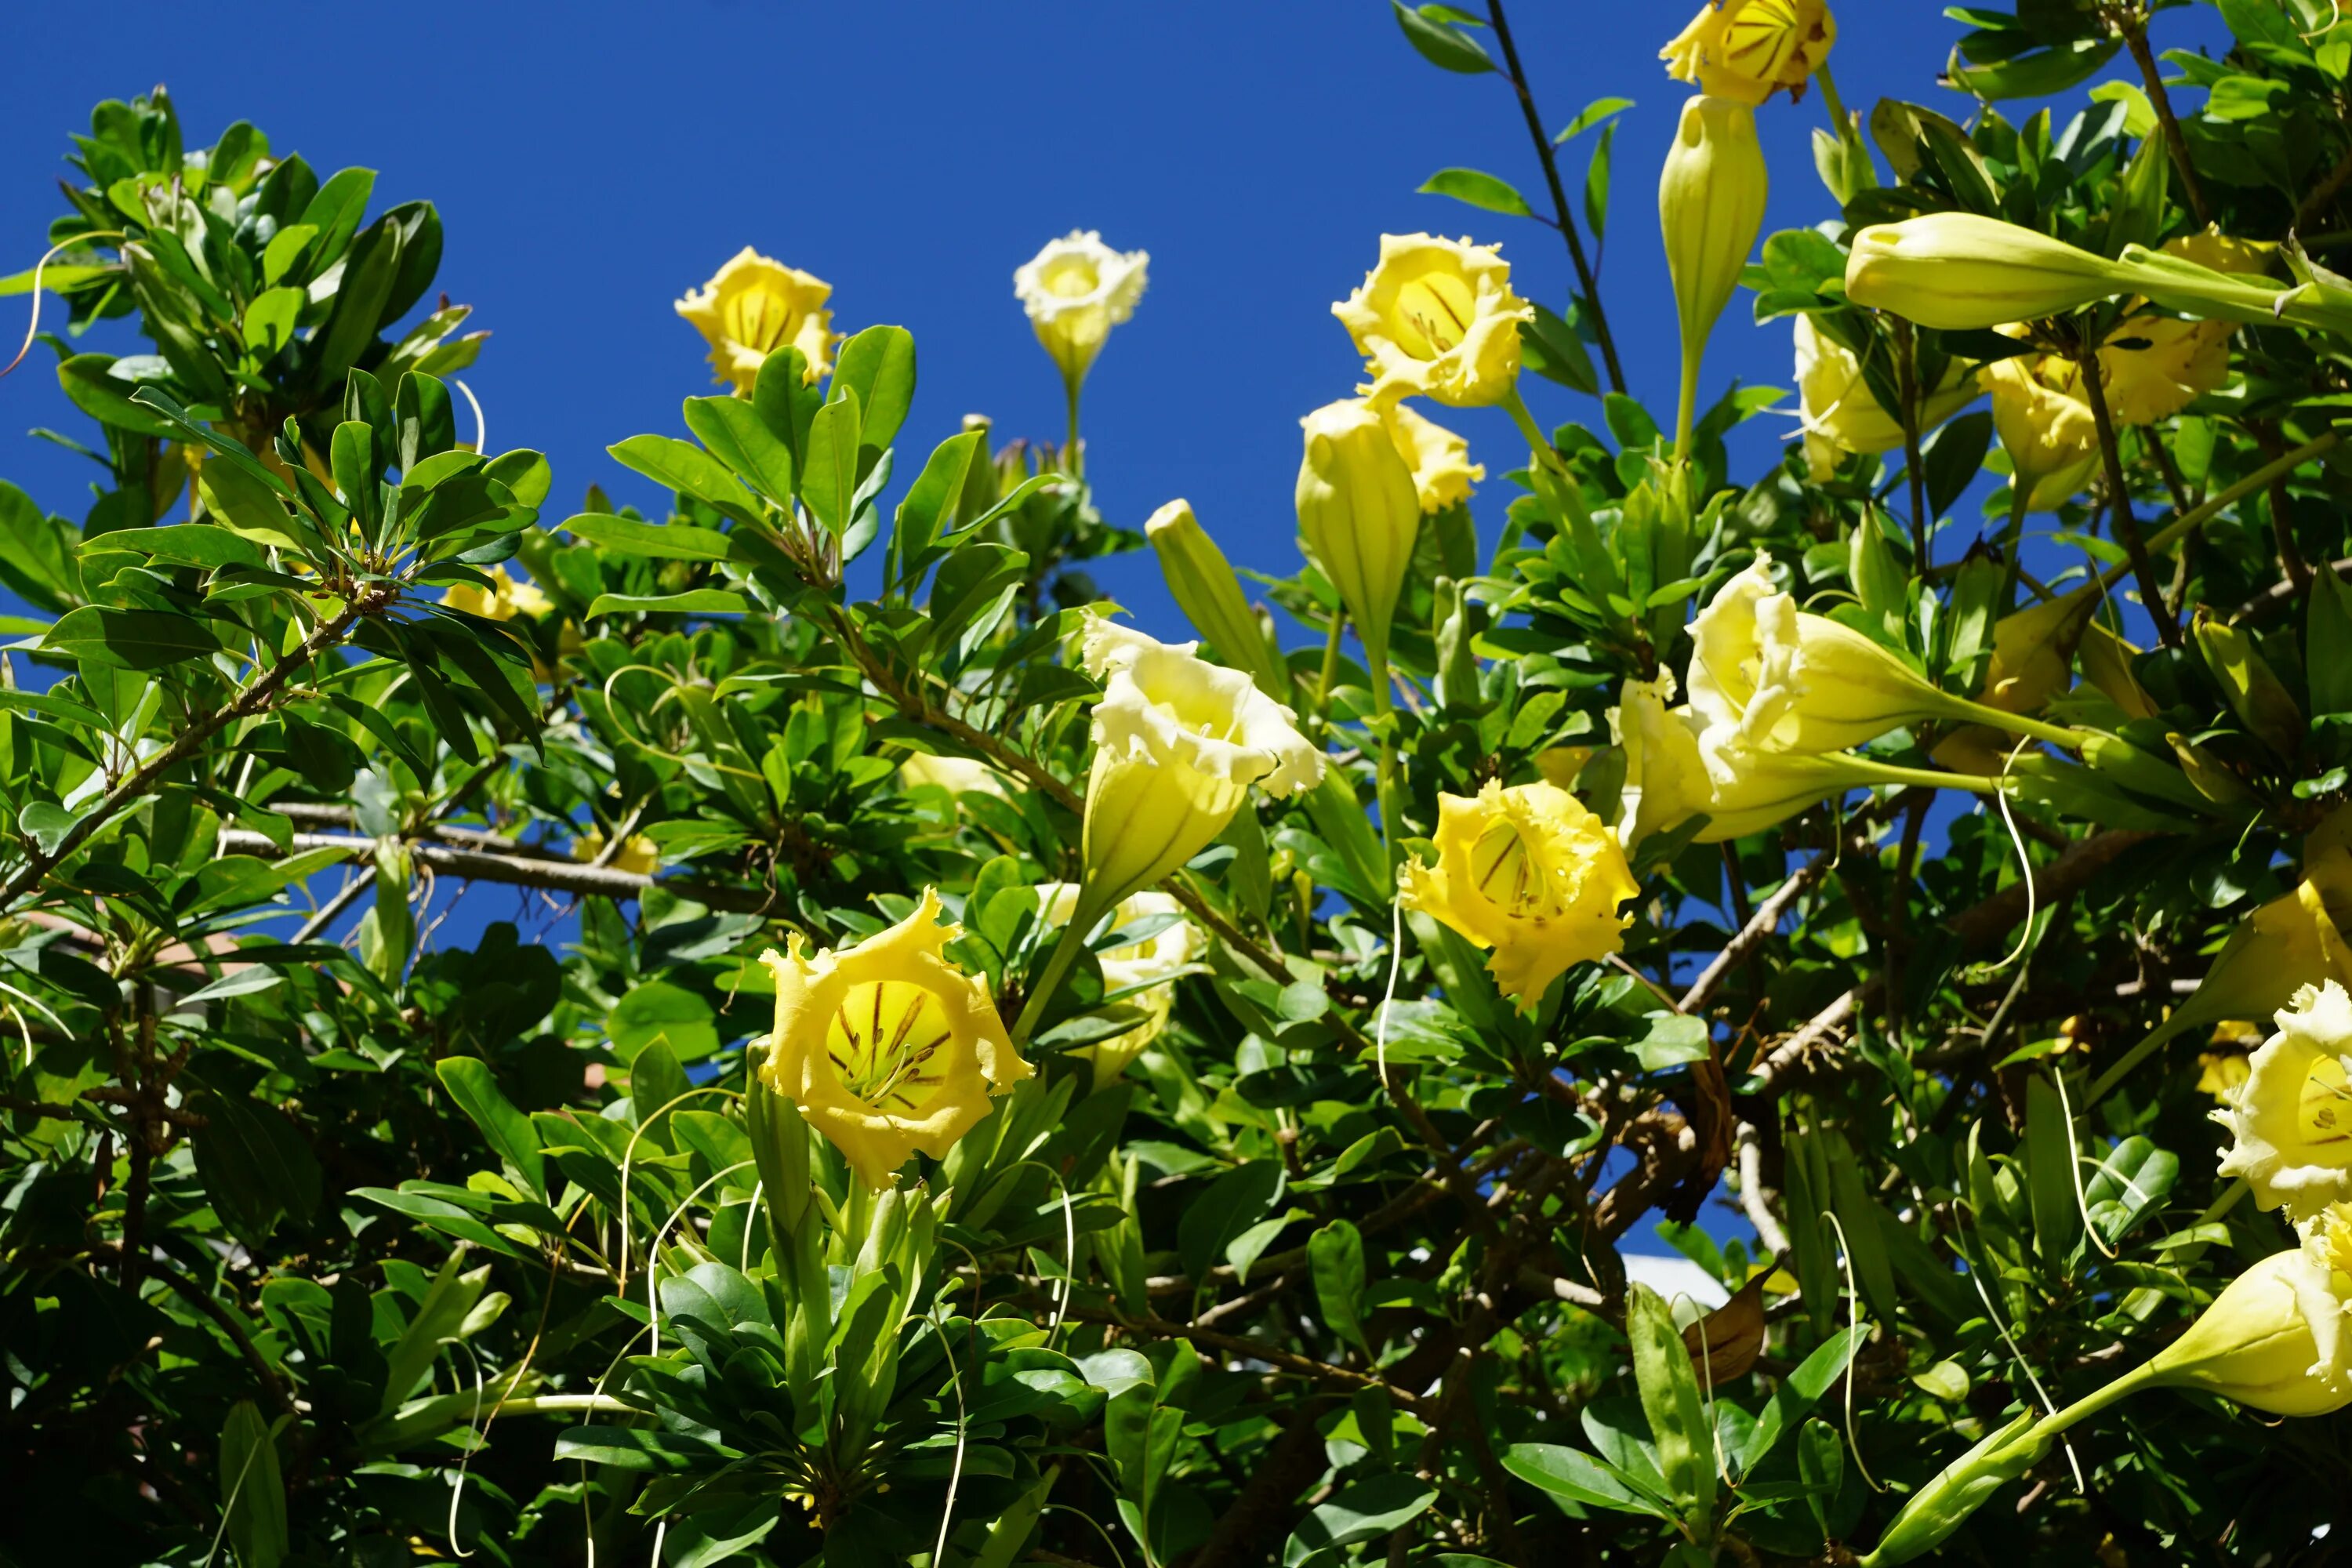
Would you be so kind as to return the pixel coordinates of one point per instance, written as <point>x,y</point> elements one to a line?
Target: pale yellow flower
<point>1142,974</point>
<point>2156,365</point>
<point>1177,744</point>
<point>506,598</point>
<point>2219,1073</point>
<point>887,1048</point>
<point>1359,513</point>
<point>2275,1339</point>
<point>2292,1117</point>
<point>1530,873</point>
<point>638,854</point>
<point>2045,427</point>
<point>1839,413</point>
<point>957,775</point>
<point>1786,680</point>
<point>1076,290</point>
<point>1750,49</point>
<point>755,305</point>
<point>2292,943</point>
<point>1437,319</point>
<point>1443,472</point>
<point>1667,780</point>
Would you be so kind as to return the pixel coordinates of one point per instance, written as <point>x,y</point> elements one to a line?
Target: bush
<point>1018,1090</point>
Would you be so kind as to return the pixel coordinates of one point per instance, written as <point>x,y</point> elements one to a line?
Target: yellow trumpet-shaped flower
<point>1786,680</point>
<point>1750,50</point>
<point>1359,514</point>
<point>1178,742</point>
<point>2045,427</point>
<point>755,305</point>
<point>2292,1117</point>
<point>1076,290</point>
<point>1142,974</point>
<point>887,1048</point>
<point>1839,412</point>
<point>1437,319</point>
<point>2220,1073</point>
<point>506,598</point>
<point>1530,873</point>
<point>1667,780</point>
<point>2275,1339</point>
<point>1443,472</point>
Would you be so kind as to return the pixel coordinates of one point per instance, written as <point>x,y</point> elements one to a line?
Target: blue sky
<point>594,161</point>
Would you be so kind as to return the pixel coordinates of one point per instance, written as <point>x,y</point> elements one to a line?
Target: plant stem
<point>1057,967</point>
<point>2135,32</point>
<point>1867,771</point>
<point>2098,1399</point>
<point>2151,592</point>
<point>1074,456</point>
<point>2180,527</point>
<point>1331,662</point>
<point>1567,225</point>
<point>1906,370</point>
<point>2015,723</point>
<point>1687,408</point>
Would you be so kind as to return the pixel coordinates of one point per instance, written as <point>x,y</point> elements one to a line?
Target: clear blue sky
<point>594,161</point>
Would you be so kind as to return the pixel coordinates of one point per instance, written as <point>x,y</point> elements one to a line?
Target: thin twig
<point>2135,32</point>
<point>2127,527</point>
<point>1566,224</point>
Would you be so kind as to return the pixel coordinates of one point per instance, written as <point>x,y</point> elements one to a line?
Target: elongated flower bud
<point>2254,688</point>
<point>1202,583</point>
<point>1942,1505</point>
<point>1359,513</point>
<point>1710,206</point>
<point>1956,271</point>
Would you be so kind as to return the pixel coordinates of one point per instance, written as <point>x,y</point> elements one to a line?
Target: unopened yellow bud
<point>1202,582</point>
<point>2269,710</point>
<point>1359,514</point>
<point>1710,206</point>
<point>1959,271</point>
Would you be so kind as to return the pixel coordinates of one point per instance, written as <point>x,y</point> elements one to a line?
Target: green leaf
<point>1670,1398</point>
<point>139,639</point>
<point>2050,1171</point>
<point>693,602</point>
<point>879,365</point>
<point>656,1010</point>
<point>1573,1474</point>
<point>627,536</point>
<point>471,1084</point>
<point>1376,1507</point>
<point>46,823</point>
<point>255,1166</point>
<point>1233,1203</point>
<point>1335,1255</point>
<point>1591,115</point>
<point>1800,1391</point>
<point>829,476</point>
<point>1673,1041</point>
<point>253,1491</point>
<point>688,470</point>
<point>1551,348</point>
<point>737,437</point>
<point>1479,190</point>
<point>99,387</point>
<point>1596,183</point>
<point>2327,644</point>
<point>270,318</point>
<point>1440,45</point>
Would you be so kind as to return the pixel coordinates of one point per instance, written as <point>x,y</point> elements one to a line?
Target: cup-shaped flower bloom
<point>1530,873</point>
<point>1142,974</point>
<point>1710,207</point>
<point>1076,290</point>
<point>1443,472</point>
<point>503,600</point>
<point>1750,50</point>
<point>1959,271</point>
<point>2273,1339</point>
<point>1839,413</point>
<point>1666,778</point>
<point>885,1046</point>
<point>755,305</point>
<point>1790,681</point>
<point>2292,1117</point>
<point>2045,427</point>
<point>1437,319</point>
<point>1178,742</point>
<point>1359,514</point>
<point>1203,584</point>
